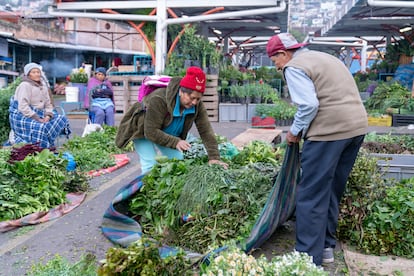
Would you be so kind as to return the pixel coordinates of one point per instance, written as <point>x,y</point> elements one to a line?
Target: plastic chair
<point>64,137</point>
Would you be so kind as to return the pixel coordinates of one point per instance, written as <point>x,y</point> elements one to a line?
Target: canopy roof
<point>376,21</point>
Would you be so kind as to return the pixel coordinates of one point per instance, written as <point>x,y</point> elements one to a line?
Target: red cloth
<point>73,201</point>
<point>120,159</point>
<point>117,61</point>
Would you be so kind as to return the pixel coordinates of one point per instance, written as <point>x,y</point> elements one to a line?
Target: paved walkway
<point>79,231</point>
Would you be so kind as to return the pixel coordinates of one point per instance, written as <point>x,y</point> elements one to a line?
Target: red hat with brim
<point>283,41</point>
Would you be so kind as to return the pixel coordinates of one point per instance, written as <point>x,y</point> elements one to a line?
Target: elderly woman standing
<point>101,98</point>
<point>31,114</point>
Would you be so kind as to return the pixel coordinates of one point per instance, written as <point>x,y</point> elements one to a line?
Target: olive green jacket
<point>148,119</point>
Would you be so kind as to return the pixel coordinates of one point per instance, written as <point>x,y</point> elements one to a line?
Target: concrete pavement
<point>79,231</point>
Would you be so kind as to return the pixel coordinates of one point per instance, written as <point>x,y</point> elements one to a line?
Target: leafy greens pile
<point>196,206</point>
<point>36,183</point>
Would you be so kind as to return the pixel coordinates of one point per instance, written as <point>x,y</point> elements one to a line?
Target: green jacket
<point>149,121</point>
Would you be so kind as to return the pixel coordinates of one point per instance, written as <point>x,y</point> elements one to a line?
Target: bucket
<point>3,82</point>
<point>72,94</point>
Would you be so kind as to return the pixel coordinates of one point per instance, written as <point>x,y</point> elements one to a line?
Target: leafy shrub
<point>280,110</point>
<point>389,226</point>
<point>365,185</point>
<point>5,95</point>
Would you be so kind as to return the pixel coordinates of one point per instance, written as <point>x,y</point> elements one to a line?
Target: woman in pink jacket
<point>101,98</point>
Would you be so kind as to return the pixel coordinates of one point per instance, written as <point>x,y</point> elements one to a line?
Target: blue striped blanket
<point>29,131</point>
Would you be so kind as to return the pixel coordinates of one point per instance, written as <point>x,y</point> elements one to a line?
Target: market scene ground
<point>78,232</point>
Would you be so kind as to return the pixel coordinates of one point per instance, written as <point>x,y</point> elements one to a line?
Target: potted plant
<point>79,78</point>
<point>78,75</point>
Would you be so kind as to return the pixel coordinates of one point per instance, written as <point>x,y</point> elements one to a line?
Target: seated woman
<point>102,107</point>
<point>31,113</point>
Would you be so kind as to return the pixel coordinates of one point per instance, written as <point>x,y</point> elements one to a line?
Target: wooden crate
<point>211,99</point>
<point>126,93</point>
<point>126,68</point>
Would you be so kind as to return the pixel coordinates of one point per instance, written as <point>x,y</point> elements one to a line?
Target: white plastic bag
<point>91,127</point>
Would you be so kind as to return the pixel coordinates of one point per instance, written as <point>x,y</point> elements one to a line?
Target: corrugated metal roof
<point>77,47</point>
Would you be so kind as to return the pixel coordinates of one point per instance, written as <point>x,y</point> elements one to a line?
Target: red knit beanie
<point>194,79</point>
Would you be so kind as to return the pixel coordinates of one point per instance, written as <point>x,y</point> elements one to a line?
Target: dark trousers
<point>325,170</point>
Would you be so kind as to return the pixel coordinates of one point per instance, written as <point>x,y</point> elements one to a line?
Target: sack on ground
<point>91,127</point>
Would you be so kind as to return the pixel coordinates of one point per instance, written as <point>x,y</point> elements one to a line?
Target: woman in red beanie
<point>169,115</point>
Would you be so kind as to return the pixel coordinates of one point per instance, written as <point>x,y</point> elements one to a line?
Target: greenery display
<point>39,180</point>
<point>389,226</point>
<point>390,95</point>
<point>100,145</point>
<point>143,258</point>
<point>37,183</point>
<point>280,110</point>
<point>194,49</point>
<point>376,213</point>
<point>225,201</point>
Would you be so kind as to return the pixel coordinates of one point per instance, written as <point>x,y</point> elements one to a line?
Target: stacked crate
<point>211,99</point>
<point>126,93</point>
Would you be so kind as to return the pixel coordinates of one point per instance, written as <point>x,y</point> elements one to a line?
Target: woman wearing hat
<point>101,99</point>
<point>31,113</point>
<point>169,115</point>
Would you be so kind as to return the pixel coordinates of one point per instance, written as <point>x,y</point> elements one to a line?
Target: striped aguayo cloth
<point>123,230</point>
<point>29,131</point>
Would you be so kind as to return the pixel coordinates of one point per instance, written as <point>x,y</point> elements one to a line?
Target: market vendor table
<point>252,134</point>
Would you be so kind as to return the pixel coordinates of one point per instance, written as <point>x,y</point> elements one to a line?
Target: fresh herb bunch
<point>225,201</point>
<point>233,261</point>
<point>389,225</point>
<point>31,185</point>
<point>143,258</point>
<point>94,151</point>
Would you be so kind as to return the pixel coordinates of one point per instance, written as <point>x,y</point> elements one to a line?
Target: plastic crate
<point>266,122</point>
<point>384,120</point>
<point>397,166</point>
<point>402,120</point>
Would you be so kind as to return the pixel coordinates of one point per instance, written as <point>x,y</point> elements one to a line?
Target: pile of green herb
<point>221,204</point>
<point>143,258</point>
<point>31,185</point>
<point>94,151</point>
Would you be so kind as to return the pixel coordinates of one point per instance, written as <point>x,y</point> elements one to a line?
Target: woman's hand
<point>44,120</point>
<point>183,145</point>
<point>218,162</point>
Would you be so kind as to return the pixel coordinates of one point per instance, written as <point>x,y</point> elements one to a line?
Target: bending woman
<point>31,114</point>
